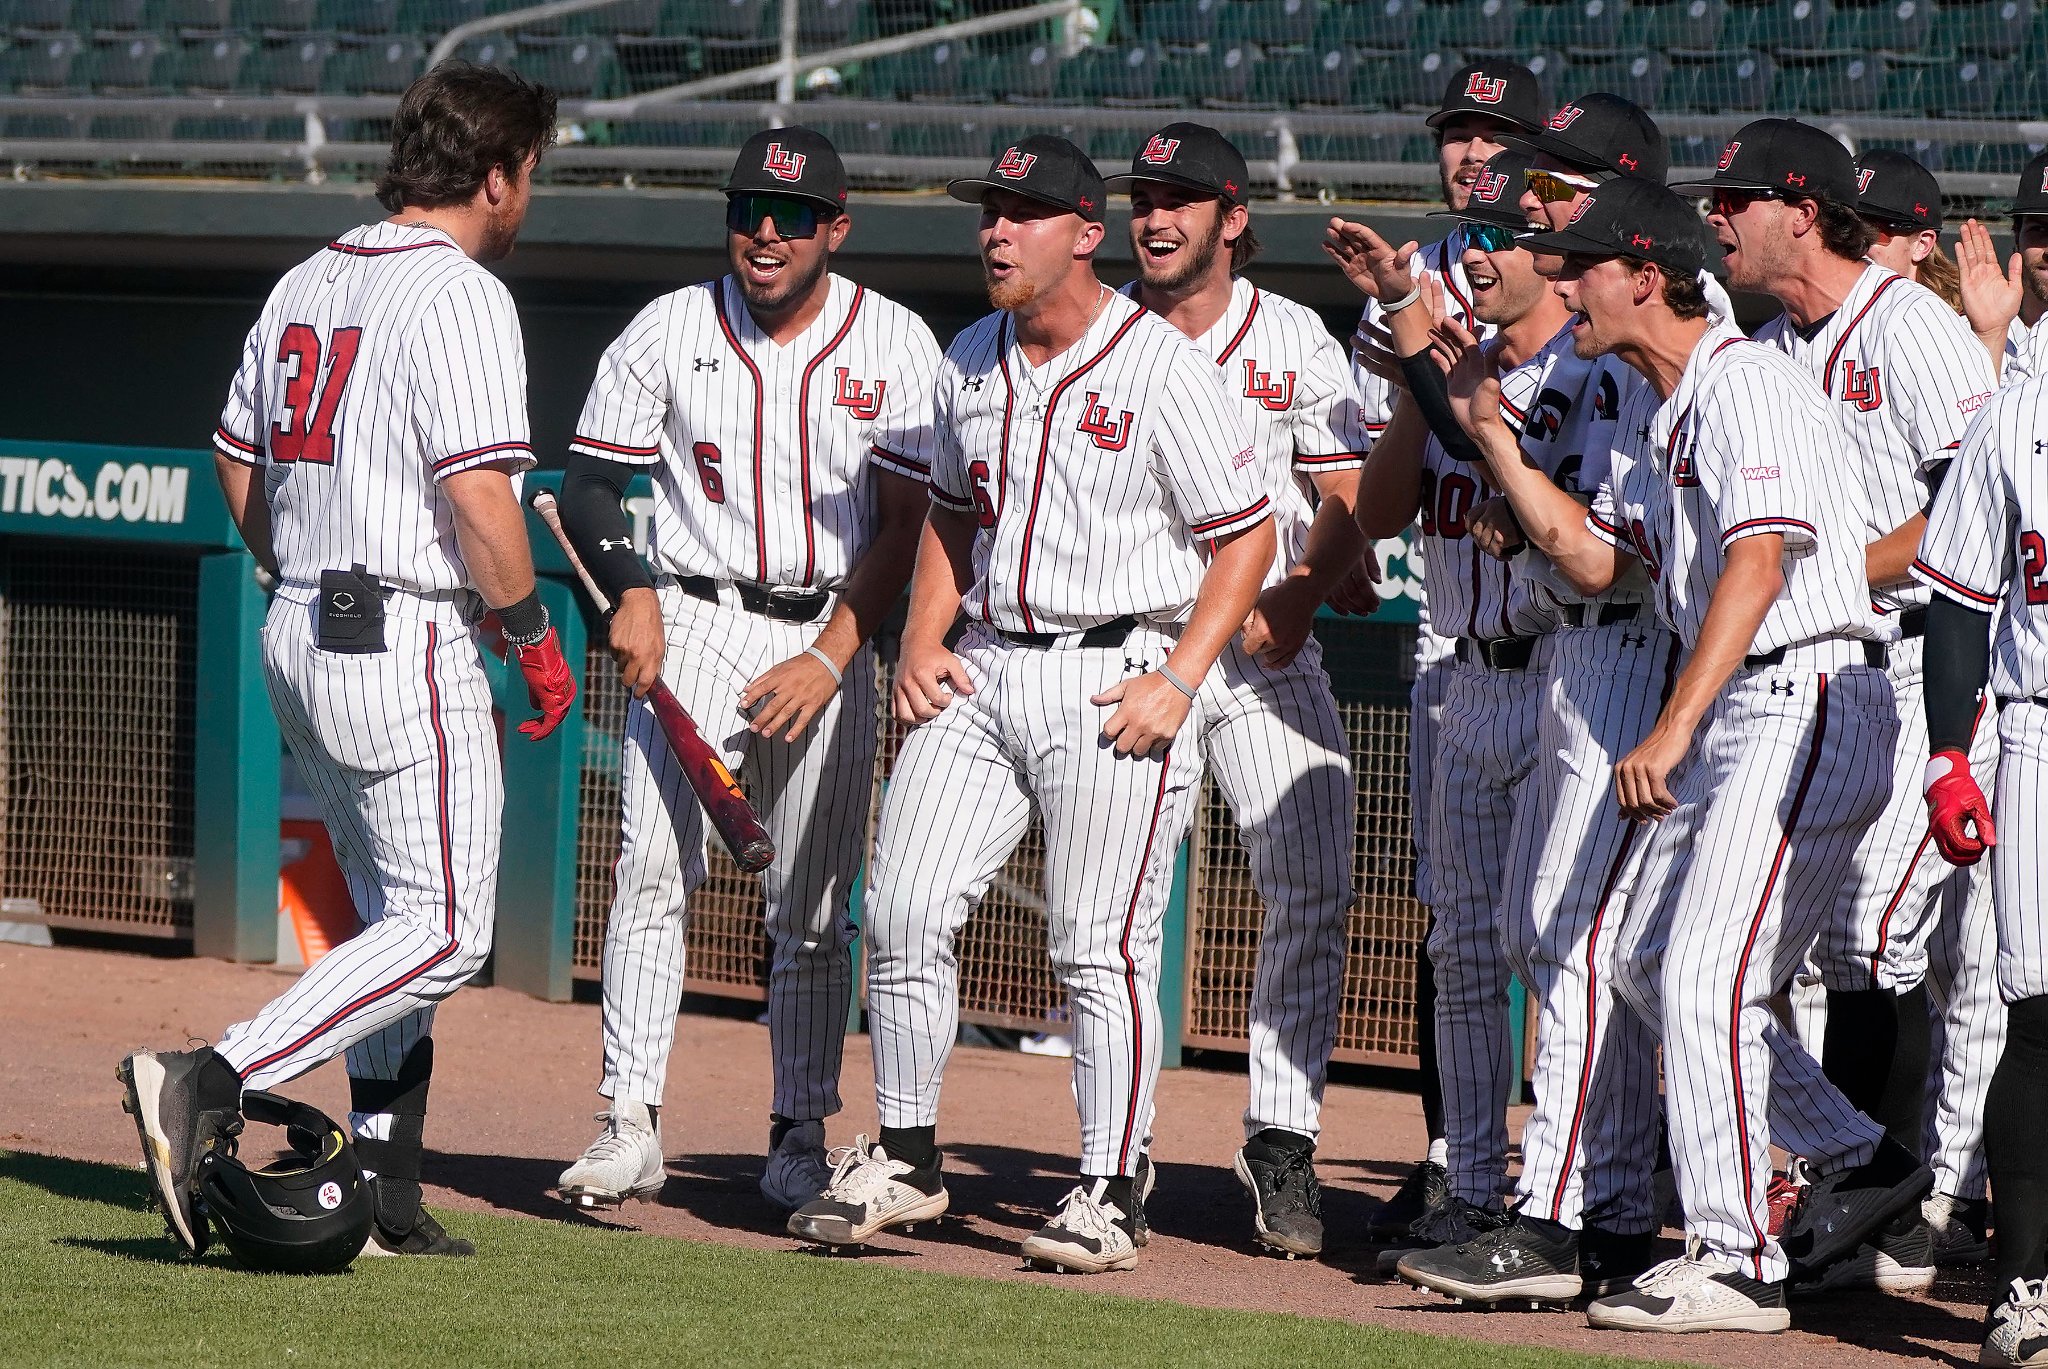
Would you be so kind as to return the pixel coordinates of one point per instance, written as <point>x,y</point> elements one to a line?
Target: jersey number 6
<point>307,432</point>
<point>984,507</point>
<point>706,454</point>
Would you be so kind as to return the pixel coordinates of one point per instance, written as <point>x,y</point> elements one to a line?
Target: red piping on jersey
<point>1052,404</point>
<point>581,441</point>
<point>1326,458</point>
<point>1123,948</point>
<point>760,513</point>
<point>1748,523</point>
<point>223,435</point>
<point>1198,529</point>
<point>447,842</point>
<point>1827,380</point>
<point>1520,416</point>
<point>999,496</point>
<point>1451,287</point>
<point>1250,313</point>
<point>1756,922</point>
<point>445,462</point>
<point>803,430</point>
<point>1884,924</point>
<point>1954,586</point>
<point>352,250</point>
<point>920,467</point>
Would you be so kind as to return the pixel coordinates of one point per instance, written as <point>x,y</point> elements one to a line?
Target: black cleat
<point>1610,1261</point>
<point>1451,1222</point>
<point>1841,1211</point>
<point>1287,1202</point>
<point>1425,1187</point>
<point>1516,1263</point>
<point>179,1100</point>
<point>425,1238</point>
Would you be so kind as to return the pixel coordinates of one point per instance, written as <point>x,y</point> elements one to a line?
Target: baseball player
<point>1087,454</point>
<point>1731,485</point>
<point>1905,375</point>
<point>1271,733</point>
<point>2026,273</point>
<point>1584,1220</point>
<point>1482,103</point>
<point>1901,201</point>
<point>1984,552</point>
<point>784,415</point>
<point>367,451</point>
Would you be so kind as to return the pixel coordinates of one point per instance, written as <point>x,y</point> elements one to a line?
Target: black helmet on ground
<point>309,1212</point>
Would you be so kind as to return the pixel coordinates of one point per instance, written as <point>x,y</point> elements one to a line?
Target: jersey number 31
<point>306,432</point>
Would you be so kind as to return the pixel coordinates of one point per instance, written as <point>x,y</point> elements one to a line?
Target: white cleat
<point>1089,1235</point>
<point>1693,1293</point>
<point>797,1169</point>
<point>625,1162</point>
<point>867,1193</point>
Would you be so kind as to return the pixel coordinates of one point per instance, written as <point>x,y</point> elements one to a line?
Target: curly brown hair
<point>454,124</point>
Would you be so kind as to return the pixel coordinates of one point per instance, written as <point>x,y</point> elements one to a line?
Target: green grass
<point>88,1278</point>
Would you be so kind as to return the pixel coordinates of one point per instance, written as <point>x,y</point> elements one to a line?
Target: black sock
<point>1271,1142</point>
<point>917,1147</point>
<point>1862,1037</point>
<point>1116,1189</point>
<point>218,1084</point>
<point>778,1127</point>
<point>2015,1120</point>
<point>1544,1227</point>
<point>1902,1109</point>
<point>396,1160</point>
<point>1431,1082</point>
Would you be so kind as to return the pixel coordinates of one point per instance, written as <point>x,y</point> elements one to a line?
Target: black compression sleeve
<point>1958,662</point>
<point>1432,397</point>
<point>591,490</point>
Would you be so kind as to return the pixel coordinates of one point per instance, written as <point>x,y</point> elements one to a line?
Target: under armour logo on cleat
<point>1507,1261</point>
<point>1781,686</point>
<point>609,544</point>
<point>705,364</point>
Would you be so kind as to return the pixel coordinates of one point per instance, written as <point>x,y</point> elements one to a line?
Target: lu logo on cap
<point>1863,182</point>
<point>1487,90</point>
<point>1728,154</point>
<point>1585,203</point>
<point>1160,151</point>
<point>1488,186</point>
<point>1015,165</point>
<point>783,164</point>
<point>1564,118</point>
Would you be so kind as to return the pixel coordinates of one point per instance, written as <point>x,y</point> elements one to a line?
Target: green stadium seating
<point>1314,78</point>
<point>1990,159</point>
<point>1418,82</point>
<point>577,68</point>
<point>720,18</point>
<point>1796,25</point>
<point>1964,87</point>
<point>823,23</point>
<point>927,73</point>
<point>1902,26</point>
<point>358,16</point>
<point>129,127</point>
<point>1588,24</point>
<point>1485,25</point>
<point>35,14</point>
<point>1639,78</point>
<point>127,63</point>
<point>1684,25</point>
<point>2023,94</point>
<point>1995,28</point>
<point>1694,150</point>
<point>1737,82</point>
<point>1027,74</point>
<point>1347,147</point>
<point>1182,23</point>
<point>1377,25</point>
<point>658,130</point>
<point>1843,85</point>
<point>42,63</point>
<point>39,126</point>
<point>1553,76</point>
<point>1928,153</point>
<point>1127,76</point>
<point>209,64</point>
<point>1220,76</point>
<point>290,66</point>
<point>199,16</point>
<point>1270,23</point>
<point>854,137</point>
<point>491,50</point>
<point>382,65</point>
<point>277,16</point>
<point>107,16</point>
<point>651,63</point>
<point>1534,24</point>
<point>220,129</point>
<point>949,138</point>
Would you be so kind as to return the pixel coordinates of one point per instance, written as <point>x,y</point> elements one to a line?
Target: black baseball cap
<point>1785,156</point>
<point>1893,188</point>
<point>1044,167</point>
<point>793,161</point>
<point>1194,156</point>
<point>2033,192</point>
<point>1632,217</point>
<point>1497,193</point>
<point>1601,134</point>
<point>1497,88</point>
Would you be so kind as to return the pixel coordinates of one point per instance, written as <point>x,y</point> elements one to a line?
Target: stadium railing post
<point>235,763</point>
<point>537,875</point>
<point>1173,960</point>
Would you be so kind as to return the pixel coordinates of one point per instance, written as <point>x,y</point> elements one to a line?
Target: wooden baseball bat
<point>716,789</point>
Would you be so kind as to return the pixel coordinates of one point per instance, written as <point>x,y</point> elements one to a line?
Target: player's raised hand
<point>788,695</point>
<point>1958,816</point>
<point>1641,778</point>
<point>1991,293</point>
<point>927,680</point>
<point>638,640</point>
<point>1149,711</point>
<point>1475,392</point>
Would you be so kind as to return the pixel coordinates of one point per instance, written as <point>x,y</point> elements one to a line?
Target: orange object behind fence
<point>311,892</point>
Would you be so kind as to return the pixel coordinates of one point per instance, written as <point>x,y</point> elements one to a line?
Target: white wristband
<point>1396,306</point>
<point>825,661</point>
<point>1176,681</point>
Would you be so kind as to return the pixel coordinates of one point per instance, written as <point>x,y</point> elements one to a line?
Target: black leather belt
<point>1112,633</point>
<point>1604,615</point>
<point>1498,653</point>
<point>1913,623</point>
<point>1874,655</point>
<point>780,602</point>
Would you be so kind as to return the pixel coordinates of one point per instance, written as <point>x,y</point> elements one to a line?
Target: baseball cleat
<point>1450,1222</point>
<point>869,1192</point>
<point>2016,1329</point>
<point>1696,1292</point>
<point>1898,1260</point>
<point>426,1237</point>
<point>1959,1225</point>
<point>1088,1235</point>
<point>164,1096</point>
<point>1515,1263</point>
<point>1424,1188</point>
<point>1782,1199</point>
<point>1287,1202</point>
<point>625,1162</point>
<point>797,1171</point>
<point>1611,1261</point>
<point>1840,1211</point>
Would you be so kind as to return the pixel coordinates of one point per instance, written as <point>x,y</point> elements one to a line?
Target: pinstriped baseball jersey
<point>1745,445</point>
<point>383,364</point>
<point>1300,397</point>
<point>1906,374</point>
<point>1094,476</point>
<point>1470,593</point>
<point>762,450</point>
<point>1987,537</point>
<point>1444,260</point>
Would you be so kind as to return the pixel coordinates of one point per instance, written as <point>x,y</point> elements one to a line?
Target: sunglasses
<point>1554,187</point>
<point>1728,203</point>
<point>745,214</point>
<point>1490,237</point>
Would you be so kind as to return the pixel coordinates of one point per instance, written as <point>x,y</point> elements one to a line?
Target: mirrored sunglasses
<point>793,218</point>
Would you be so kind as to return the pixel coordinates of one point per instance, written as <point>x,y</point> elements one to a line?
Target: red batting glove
<point>549,685</point>
<point>1957,813</point>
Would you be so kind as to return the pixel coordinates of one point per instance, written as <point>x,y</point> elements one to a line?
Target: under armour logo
<point>614,544</point>
<point>1642,240</point>
<point>705,364</point>
<point>1643,433</point>
<point>1797,178</point>
<point>1507,1261</point>
<point>1635,639</point>
<point>1626,161</point>
<point>1781,686</point>
<point>1132,667</point>
<point>971,382</point>
<point>2041,447</point>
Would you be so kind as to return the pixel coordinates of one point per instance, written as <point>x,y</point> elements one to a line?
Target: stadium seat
<point>1587,24</point>
<point>200,16</point>
<point>111,16</point>
<point>1694,150</point>
<point>942,138</point>
<point>1639,78</point>
<point>1182,23</point>
<point>129,127</point>
<point>290,66</point>
<point>1777,24</point>
<point>901,16</point>
<point>1487,25</point>
<point>490,50</point>
<point>655,129</point>
<point>39,126</point>
<point>1316,77</point>
<point>1220,76</point>
<point>2023,94</point>
<point>820,23</point>
<point>42,63</point>
<point>574,67</point>
<point>1026,74</point>
<point>1685,25</point>
<point>1347,147</point>
<point>218,128</point>
<point>1418,82</point>
<point>650,63</point>
<point>1270,23</point>
<point>383,65</point>
<point>438,16</point>
<point>1534,23</point>
<point>1379,25</point>
<point>1991,159</point>
<point>1902,26</point>
<point>928,73</point>
<point>277,16</point>
<point>127,63</point>
<point>1737,82</point>
<point>1121,76</point>
<point>358,16</point>
<point>854,137</point>
<point>36,14</point>
<point>720,18</point>
<point>1844,85</point>
<point>1553,72</point>
<point>209,64</point>
<point>1964,87</point>
<point>1995,28</point>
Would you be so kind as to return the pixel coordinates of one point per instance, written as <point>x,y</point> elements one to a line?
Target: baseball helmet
<point>309,1212</point>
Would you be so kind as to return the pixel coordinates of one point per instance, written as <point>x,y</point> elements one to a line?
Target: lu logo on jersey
<point>783,164</point>
<point>1259,385</point>
<point>854,396</point>
<point>1111,436</point>
<point>1864,389</point>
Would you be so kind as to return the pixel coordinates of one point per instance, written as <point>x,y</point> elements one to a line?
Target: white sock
<point>1440,1151</point>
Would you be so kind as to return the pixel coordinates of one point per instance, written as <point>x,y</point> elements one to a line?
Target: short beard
<point>785,293</point>
<point>1197,259</point>
<point>1012,294</point>
<point>499,235</point>
<point>2034,280</point>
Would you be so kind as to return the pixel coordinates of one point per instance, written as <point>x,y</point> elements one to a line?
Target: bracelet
<point>1396,306</point>
<point>825,661</point>
<point>1176,681</point>
<point>532,638</point>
